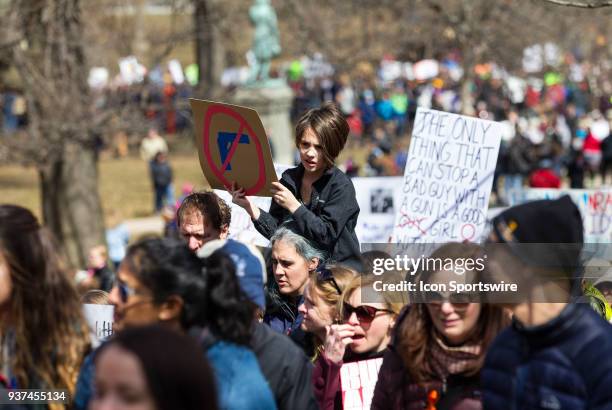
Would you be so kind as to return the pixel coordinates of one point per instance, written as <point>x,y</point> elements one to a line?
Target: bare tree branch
<point>593,4</point>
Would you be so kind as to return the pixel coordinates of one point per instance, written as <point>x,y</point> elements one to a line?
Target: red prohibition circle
<point>242,123</point>
<point>463,234</point>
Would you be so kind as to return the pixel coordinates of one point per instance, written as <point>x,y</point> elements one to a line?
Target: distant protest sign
<point>447,179</point>
<point>595,205</point>
<point>233,147</point>
<point>241,227</point>
<point>378,198</point>
<point>357,380</point>
<point>100,321</point>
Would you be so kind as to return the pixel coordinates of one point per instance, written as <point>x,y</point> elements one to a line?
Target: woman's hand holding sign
<point>284,197</point>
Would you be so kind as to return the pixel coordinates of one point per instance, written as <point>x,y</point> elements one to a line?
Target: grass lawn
<point>124,184</point>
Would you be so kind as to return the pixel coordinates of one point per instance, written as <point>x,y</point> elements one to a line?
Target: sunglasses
<point>437,298</point>
<point>124,290</point>
<point>326,275</point>
<point>365,314</point>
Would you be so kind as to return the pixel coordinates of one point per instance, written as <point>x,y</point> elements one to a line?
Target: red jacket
<point>544,178</point>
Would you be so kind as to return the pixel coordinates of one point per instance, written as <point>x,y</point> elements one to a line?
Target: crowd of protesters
<point>557,122</point>
<point>206,322</point>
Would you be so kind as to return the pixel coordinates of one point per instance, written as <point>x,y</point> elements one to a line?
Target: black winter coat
<point>286,368</point>
<point>563,364</point>
<point>328,220</point>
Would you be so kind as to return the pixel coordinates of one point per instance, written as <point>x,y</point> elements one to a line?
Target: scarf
<point>447,360</point>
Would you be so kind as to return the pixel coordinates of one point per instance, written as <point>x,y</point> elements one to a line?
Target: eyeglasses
<point>326,275</point>
<point>124,290</point>
<point>365,314</point>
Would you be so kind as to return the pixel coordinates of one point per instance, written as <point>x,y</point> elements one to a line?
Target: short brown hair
<point>329,125</point>
<point>216,211</point>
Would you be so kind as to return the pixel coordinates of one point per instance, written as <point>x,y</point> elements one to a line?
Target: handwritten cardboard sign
<point>233,147</point>
<point>100,321</point>
<point>357,381</point>
<point>595,206</point>
<point>447,179</point>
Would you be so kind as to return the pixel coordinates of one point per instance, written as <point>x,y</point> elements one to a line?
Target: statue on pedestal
<point>266,40</point>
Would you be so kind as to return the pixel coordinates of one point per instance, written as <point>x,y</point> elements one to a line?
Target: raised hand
<point>284,197</point>
<point>337,337</point>
<point>239,198</point>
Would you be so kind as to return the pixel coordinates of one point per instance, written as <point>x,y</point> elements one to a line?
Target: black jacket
<point>286,368</point>
<point>563,364</point>
<point>328,220</point>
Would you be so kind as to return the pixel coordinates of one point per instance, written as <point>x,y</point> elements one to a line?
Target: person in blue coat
<point>556,353</point>
<point>162,281</point>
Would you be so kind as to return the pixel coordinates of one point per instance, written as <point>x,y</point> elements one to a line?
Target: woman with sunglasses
<point>364,334</point>
<point>43,334</point>
<point>322,297</point>
<point>439,347</point>
<point>162,281</point>
<point>294,259</point>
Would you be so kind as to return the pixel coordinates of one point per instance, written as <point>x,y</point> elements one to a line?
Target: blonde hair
<point>96,297</point>
<point>101,249</point>
<point>325,290</point>
<point>394,301</point>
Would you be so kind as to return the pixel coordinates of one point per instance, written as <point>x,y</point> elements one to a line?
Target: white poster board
<point>241,227</point>
<point>357,381</point>
<point>131,70</point>
<point>378,199</point>
<point>447,179</point>
<point>595,205</point>
<point>176,71</point>
<point>100,321</point>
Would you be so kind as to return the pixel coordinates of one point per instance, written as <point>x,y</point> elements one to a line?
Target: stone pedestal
<point>272,102</point>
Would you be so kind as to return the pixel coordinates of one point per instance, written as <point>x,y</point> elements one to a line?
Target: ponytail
<point>228,312</point>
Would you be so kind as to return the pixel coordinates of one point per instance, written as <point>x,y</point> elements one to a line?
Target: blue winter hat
<point>250,266</point>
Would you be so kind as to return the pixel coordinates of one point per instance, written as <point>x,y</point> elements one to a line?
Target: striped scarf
<point>448,360</point>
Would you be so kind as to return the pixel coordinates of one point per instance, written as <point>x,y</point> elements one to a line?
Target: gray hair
<point>303,246</point>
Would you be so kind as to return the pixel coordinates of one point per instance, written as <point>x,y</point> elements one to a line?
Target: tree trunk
<point>71,203</point>
<point>467,99</point>
<point>54,70</point>
<point>210,54</point>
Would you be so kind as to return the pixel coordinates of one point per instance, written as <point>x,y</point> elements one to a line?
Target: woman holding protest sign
<point>368,319</point>
<point>43,334</point>
<point>322,297</point>
<point>316,194</point>
<point>294,259</point>
<point>439,347</point>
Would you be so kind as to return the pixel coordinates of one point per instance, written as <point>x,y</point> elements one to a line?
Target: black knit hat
<point>545,221</point>
<point>554,227</point>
